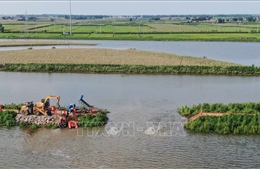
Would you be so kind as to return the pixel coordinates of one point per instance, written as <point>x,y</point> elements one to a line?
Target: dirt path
<point>201,113</point>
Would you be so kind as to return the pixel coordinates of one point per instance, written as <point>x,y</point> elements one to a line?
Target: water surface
<point>136,101</point>
<point>246,53</point>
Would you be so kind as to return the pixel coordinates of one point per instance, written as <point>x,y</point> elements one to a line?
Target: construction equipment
<point>42,107</point>
<point>84,103</point>
<point>92,109</point>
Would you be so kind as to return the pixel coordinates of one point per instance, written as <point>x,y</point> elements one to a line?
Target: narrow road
<point>201,113</point>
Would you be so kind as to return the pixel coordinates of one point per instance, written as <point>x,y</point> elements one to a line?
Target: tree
<point>240,19</point>
<point>2,29</point>
<point>235,19</point>
<point>251,19</point>
<point>221,20</point>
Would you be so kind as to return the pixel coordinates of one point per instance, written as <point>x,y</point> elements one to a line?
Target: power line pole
<point>26,24</point>
<point>70,18</point>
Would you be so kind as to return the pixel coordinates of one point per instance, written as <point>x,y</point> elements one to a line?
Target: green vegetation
<point>34,126</point>
<point>13,106</point>
<point>142,29</point>
<point>133,69</point>
<point>7,118</point>
<point>24,124</point>
<point>99,119</point>
<point>40,43</point>
<point>241,118</point>
<point>228,124</point>
<point>171,36</point>
<point>2,29</point>
<point>52,126</point>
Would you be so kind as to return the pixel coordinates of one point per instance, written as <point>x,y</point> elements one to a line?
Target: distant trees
<point>155,19</point>
<point>238,19</point>
<point>32,18</point>
<point>2,29</point>
<point>201,18</point>
<point>251,19</point>
<point>220,20</point>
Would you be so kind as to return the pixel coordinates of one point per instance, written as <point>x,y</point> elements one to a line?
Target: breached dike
<point>39,120</point>
<point>42,114</point>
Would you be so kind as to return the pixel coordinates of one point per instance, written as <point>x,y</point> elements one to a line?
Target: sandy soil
<point>103,56</point>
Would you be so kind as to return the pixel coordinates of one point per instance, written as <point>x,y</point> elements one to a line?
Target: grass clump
<point>51,126</point>
<point>24,124</point>
<point>88,120</point>
<point>240,118</point>
<point>228,124</point>
<point>34,126</point>
<point>12,106</point>
<point>7,118</point>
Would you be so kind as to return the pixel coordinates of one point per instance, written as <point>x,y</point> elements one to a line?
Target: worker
<point>72,108</point>
<point>63,123</point>
<point>29,107</point>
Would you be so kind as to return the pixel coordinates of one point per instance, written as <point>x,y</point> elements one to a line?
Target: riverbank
<point>133,69</point>
<point>232,118</point>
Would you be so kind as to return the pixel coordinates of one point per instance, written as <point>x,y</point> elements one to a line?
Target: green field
<point>173,30</point>
<point>241,37</point>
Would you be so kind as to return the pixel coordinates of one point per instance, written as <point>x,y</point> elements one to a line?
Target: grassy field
<point>241,37</point>
<point>41,43</point>
<point>103,56</point>
<point>110,29</point>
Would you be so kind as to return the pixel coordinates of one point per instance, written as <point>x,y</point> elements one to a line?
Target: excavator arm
<point>47,99</point>
<point>83,102</point>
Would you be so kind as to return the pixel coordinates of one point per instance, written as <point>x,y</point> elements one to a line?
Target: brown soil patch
<point>103,56</point>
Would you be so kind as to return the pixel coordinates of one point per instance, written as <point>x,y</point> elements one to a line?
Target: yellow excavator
<point>42,107</point>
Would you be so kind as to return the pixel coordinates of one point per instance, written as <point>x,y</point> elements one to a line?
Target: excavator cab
<point>27,108</point>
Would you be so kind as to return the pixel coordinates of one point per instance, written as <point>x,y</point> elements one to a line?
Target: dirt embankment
<point>39,120</point>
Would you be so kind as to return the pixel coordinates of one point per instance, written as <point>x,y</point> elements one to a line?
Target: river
<point>245,53</point>
<point>148,130</point>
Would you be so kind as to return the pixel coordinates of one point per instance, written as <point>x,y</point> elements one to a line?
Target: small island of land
<point>95,60</point>
<point>232,118</point>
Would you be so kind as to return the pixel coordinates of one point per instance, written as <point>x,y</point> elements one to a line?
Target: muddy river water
<point>144,128</point>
